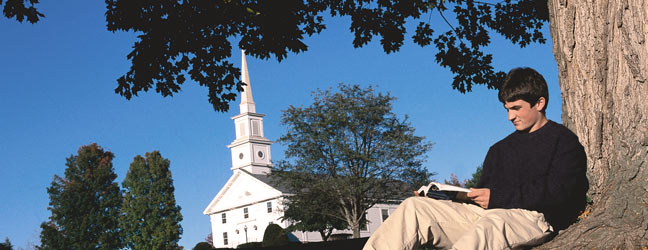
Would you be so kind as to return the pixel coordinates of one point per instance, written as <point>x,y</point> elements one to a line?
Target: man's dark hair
<point>524,84</point>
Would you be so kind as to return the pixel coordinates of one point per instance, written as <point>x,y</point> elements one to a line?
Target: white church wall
<point>241,155</point>
<point>240,229</point>
<point>375,218</point>
<point>261,154</point>
<point>259,218</point>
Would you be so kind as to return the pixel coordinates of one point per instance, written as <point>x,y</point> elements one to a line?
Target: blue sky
<point>57,94</point>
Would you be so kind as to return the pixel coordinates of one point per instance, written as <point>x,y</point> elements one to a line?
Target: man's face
<point>524,116</point>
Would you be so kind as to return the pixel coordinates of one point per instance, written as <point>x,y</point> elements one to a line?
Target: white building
<point>248,202</point>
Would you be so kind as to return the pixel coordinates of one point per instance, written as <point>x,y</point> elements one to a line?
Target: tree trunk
<point>602,57</point>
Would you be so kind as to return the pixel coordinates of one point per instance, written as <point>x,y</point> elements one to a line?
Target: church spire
<point>247,103</point>
<point>250,149</point>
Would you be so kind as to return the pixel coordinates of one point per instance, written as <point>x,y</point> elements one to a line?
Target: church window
<point>255,128</point>
<point>385,213</point>
<point>241,156</point>
<point>242,129</point>
<point>225,238</point>
<point>245,213</point>
<point>269,206</point>
<point>224,218</point>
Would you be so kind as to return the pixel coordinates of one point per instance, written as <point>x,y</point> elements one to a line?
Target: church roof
<point>268,181</point>
<point>243,189</point>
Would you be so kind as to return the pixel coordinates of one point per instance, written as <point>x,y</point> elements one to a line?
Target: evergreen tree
<point>6,245</point>
<point>84,204</point>
<point>475,178</point>
<point>150,218</point>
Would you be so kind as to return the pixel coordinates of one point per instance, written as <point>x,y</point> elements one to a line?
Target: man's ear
<point>540,104</point>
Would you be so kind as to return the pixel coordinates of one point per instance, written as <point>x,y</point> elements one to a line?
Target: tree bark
<point>602,57</point>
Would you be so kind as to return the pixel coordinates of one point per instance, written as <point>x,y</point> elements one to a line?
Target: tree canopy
<point>149,217</point>
<point>84,203</point>
<point>21,10</point>
<point>200,43</point>
<point>349,147</point>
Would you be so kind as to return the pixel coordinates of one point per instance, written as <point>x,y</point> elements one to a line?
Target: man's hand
<point>481,196</point>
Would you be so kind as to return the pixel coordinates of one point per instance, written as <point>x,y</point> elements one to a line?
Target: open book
<point>440,191</point>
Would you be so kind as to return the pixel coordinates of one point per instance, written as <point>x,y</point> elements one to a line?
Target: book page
<point>445,187</point>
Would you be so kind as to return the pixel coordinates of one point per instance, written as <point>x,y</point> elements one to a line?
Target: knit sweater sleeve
<point>557,187</point>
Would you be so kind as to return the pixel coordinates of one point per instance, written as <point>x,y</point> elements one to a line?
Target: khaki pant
<point>450,225</point>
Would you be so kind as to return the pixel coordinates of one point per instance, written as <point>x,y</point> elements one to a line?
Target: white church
<point>248,202</point>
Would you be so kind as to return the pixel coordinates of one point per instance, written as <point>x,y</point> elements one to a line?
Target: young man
<point>532,185</point>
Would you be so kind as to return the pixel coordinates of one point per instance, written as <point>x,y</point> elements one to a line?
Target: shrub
<point>250,245</point>
<point>274,235</point>
<point>203,246</point>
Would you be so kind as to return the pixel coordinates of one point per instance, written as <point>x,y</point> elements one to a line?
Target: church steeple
<point>247,103</point>
<point>250,149</point>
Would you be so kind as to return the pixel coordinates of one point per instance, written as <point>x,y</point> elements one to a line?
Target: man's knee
<point>417,202</point>
<point>425,205</point>
<point>410,200</point>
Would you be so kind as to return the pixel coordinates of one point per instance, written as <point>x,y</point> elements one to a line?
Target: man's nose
<point>511,115</point>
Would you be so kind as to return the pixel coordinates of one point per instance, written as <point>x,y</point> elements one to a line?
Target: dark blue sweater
<point>542,171</point>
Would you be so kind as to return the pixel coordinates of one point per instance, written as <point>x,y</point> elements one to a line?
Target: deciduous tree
<point>200,44</point>
<point>21,10</point>
<point>150,218</point>
<point>84,204</point>
<point>210,239</point>
<point>350,147</point>
<point>602,55</point>
<point>454,180</point>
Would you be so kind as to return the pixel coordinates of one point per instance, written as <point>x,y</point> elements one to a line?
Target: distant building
<point>248,202</point>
